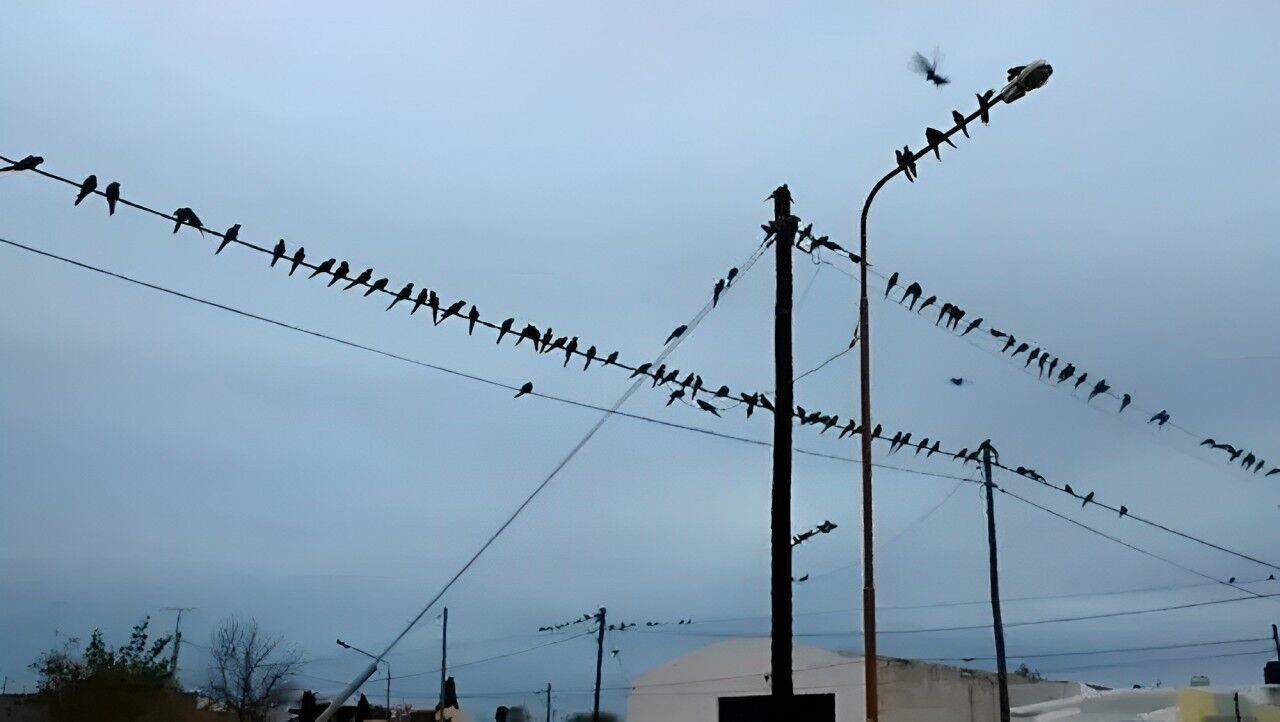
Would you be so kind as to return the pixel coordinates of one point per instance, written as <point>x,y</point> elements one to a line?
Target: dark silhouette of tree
<point>127,683</point>
<point>249,669</point>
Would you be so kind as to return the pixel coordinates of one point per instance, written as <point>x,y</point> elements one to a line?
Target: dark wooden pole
<point>444,658</point>
<point>595,708</point>
<point>780,659</point>
<point>997,621</point>
<point>548,702</point>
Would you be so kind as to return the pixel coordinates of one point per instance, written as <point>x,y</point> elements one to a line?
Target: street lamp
<point>1022,80</point>
<point>344,645</point>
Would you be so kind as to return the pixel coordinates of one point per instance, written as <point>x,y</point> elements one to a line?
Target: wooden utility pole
<point>997,621</point>
<point>784,226</point>
<point>595,707</point>
<point>548,702</point>
<point>444,658</point>
<point>177,637</point>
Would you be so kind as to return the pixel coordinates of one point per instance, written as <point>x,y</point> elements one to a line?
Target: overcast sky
<point>595,167</point>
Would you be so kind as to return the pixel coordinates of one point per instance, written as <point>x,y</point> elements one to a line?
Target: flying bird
<point>676,333</point>
<point>298,257</point>
<point>323,267</point>
<point>89,185</point>
<point>708,407</point>
<point>527,388</point>
<point>403,295</point>
<point>230,236</point>
<point>113,197</point>
<point>28,163</point>
<point>1099,388</point>
<point>936,138</point>
<point>1125,401</point>
<point>340,274</point>
<point>958,117</point>
<point>378,285</point>
<point>929,68</point>
<point>363,278</point>
<point>958,381</point>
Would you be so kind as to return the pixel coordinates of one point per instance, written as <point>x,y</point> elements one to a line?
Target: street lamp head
<point>1025,78</point>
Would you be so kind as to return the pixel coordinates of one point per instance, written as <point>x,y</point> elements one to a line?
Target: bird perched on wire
<point>936,138</point>
<point>715,292</point>
<point>31,162</point>
<point>1124,402</point>
<point>113,196</point>
<point>905,165</point>
<point>526,388</point>
<point>709,408</point>
<point>189,217</point>
<point>676,333</point>
<point>324,267</point>
<point>1099,388</point>
<point>276,253</point>
<point>378,285</point>
<point>89,185</point>
<point>403,295</point>
<point>958,117</point>
<point>929,67</point>
<point>913,292</point>
<point>360,280</point>
<point>781,197</point>
<point>298,257</point>
<point>984,106</point>
<point>229,237</point>
<point>893,281</point>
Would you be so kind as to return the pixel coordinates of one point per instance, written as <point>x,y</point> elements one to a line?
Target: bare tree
<point>250,669</point>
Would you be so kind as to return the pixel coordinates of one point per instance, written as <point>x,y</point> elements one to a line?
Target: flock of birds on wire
<point>615,627</point>
<point>689,384</point>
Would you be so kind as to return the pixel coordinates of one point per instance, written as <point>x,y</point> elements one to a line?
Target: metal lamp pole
<point>373,657</point>
<point>1028,77</point>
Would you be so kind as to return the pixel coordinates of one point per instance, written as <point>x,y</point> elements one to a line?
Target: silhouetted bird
<point>676,333</point>
<point>612,358</point>
<point>697,384</point>
<point>299,256</point>
<point>1087,498</point>
<point>31,162</point>
<point>957,381</point>
<point>913,292</point>
<point>715,292</point>
<point>904,165</point>
<point>591,356</point>
<point>89,185</point>
<point>984,106</point>
<point>927,302</point>
<point>975,323</point>
<point>897,439</point>
<point>1040,365</point>
<point>961,454</point>
<point>677,394</point>
<point>113,197</point>
<point>1248,460</point>
<point>424,295</point>
<point>324,267</point>
<point>360,280</point>
<point>942,312</point>
<point>1035,354</point>
<point>958,117</point>
<point>910,158</point>
<point>956,315</point>
<point>1271,473</point>
<point>378,285</point>
<point>659,374</point>
<point>641,370</point>
<point>929,68</point>
<point>546,338</point>
<point>1067,488</point>
<point>1081,379</point>
<point>924,444</point>
<point>1123,510</point>
<point>232,234</point>
<point>781,197</point>
<point>937,446</point>
<point>339,274</point>
<point>189,217</point>
<point>1021,347</point>
<point>936,138</point>
<point>708,407</point>
<point>875,433</point>
<point>277,253</point>
<point>454,309</point>
<point>528,387</point>
<point>1258,467</point>
<point>1008,344</point>
<point>732,274</point>
<point>804,578</point>
<point>1125,401</point>
<point>1052,366</point>
<point>403,295</point>
<point>893,281</point>
<point>474,315</point>
<point>1067,372</point>
<point>1099,388</point>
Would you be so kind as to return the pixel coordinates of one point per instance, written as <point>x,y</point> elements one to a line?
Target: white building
<point>716,683</point>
